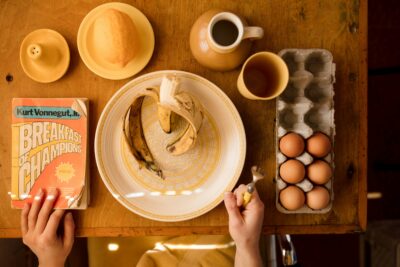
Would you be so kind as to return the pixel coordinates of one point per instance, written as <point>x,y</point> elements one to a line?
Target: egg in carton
<point>306,107</point>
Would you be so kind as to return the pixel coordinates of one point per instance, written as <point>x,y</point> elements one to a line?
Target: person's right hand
<point>245,226</point>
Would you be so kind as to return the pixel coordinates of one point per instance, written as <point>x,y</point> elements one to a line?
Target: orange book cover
<point>49,149</point>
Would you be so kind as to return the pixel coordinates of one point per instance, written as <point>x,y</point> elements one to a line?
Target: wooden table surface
<point>338,26</point>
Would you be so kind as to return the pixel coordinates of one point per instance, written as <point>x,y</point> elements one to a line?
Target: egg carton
<point>306,107</point>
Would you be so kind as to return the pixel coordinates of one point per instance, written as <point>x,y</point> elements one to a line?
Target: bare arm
<point>245,227</point>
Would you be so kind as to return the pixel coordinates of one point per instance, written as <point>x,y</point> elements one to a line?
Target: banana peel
<point>169,100</point>
<point>134,136</point>
<point>186,106</point>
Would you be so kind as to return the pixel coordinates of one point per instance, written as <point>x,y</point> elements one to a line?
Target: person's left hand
<point>39,230</point>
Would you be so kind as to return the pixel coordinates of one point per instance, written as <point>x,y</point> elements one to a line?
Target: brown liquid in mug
<point>224,32</point>
<point>261,78</point>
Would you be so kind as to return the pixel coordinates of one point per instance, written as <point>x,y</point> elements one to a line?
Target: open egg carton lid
<point>306,107</point>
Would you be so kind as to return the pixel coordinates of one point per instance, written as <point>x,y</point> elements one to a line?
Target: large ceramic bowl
<point>194,182</point>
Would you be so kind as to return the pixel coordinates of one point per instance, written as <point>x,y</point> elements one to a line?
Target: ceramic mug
<point>264,76</point>
<point>226,30</point>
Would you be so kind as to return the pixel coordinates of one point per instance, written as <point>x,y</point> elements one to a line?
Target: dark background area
<point>384,108</point>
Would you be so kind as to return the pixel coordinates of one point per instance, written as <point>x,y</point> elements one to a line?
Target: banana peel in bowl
<point>134,135</point>
<point>169,100</point>
<point>184,105</point>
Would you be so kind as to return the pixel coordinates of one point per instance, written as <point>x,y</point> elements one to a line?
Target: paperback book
<point>49,150</point>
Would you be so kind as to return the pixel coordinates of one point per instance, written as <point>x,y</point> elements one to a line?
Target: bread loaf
<point>116,38</point>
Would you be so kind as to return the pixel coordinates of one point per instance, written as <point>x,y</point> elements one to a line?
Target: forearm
<point>248,257</point>
<point>47,265</point>
<point>52,264</point>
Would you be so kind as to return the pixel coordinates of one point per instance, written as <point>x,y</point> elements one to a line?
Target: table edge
<point>363,102</point>
<point>188,230</point>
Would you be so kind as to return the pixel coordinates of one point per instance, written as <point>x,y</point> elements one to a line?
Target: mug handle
<point>253,32</point>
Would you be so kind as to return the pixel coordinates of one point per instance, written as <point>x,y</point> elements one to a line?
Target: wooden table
<point>339,26</point>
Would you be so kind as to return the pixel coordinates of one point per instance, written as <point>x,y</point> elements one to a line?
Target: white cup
<point>226,30</point>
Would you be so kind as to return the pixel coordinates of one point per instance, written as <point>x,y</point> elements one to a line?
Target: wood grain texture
<point>338,26</point>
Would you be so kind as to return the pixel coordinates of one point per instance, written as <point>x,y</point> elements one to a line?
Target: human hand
<point>245,226</point>
<point>39,230</point>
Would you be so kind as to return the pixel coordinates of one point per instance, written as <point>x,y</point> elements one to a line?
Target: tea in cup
<point>264,76</point>
<point>226,30</point>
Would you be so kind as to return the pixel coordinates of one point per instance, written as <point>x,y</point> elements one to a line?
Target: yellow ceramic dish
<point>44,55</point>
<point>100,66</point>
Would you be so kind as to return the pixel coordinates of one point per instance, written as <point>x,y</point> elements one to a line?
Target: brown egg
<point>319,145</point>
<point>319,172</point>
<point>318,198</point>
<point>292,198</point>
<point>291,145</point>
<point>292,171</point>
